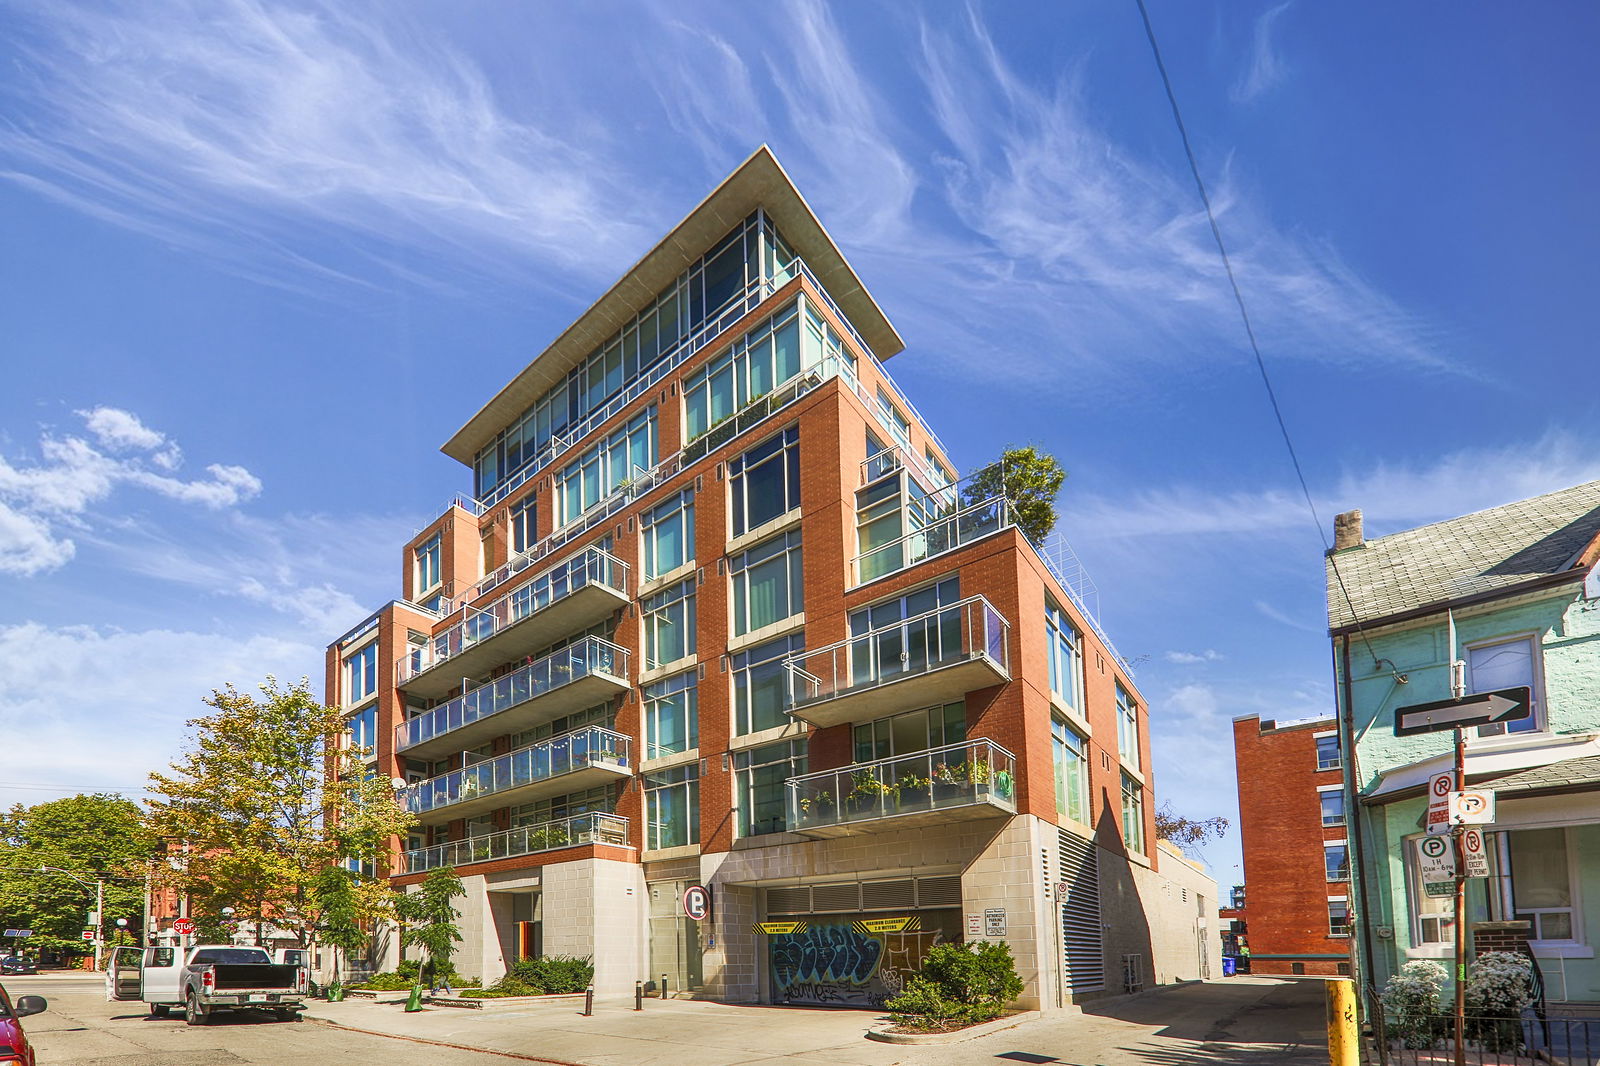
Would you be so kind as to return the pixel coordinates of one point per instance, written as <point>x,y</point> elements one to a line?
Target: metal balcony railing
<point>592,566</point>
<point>570,752</point>
<point>945,534</point>
<point>591,655</point>
<point>578,830</point>
<point>965,775</point>
<point>962,632</point>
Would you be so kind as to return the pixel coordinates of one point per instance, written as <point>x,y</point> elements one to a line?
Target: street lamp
<point>99,904</point>
<point>227,917</point>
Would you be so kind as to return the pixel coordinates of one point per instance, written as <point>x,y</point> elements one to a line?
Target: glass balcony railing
<point>967,631</point>
<point>957,530</point>
<point>548,759</point>
<point>576,831</point>
<point>971,775</point>
<point>590,567</point>
<point>591,655</point>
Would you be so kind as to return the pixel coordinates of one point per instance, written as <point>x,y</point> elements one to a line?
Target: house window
<point>1069,753</point>
<point>669,624</point>
<point>1132,814</point>
<point>1063,649</point>
<point>760,684</point>
<point>1505,664</point>
<point>524,528</point>
<point>767,583</point>
<point>1541,883</point>
<point>671,716</point>
<point>903,734</point>
<point>668,536</point>
<point>1433,916</point>
<point>1336,861</point>
<point>605,467</point>
<point>1328,752</point>
<point>427,566</point>
<point>361,674</point>
<point>1332,800</point>
<point>672,807</point>
<point>760,774</point>
<point>364,731</point>
<point>1127,728</point>
<point>766,481</point>
<point>751,367</point>
<point>1338,917</point>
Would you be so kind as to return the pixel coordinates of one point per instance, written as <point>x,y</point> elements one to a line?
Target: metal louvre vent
<point>939,891</point>
<point>1083,966</point>
<point>789,900</point>
<point>888,895</point>
<point>844,897</point>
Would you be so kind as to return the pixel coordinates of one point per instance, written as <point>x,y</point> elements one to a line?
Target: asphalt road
<point>81,1027</point>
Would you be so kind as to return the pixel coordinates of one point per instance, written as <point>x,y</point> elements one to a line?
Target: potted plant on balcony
<point>868,794</point>
<point>949,781</point>
<point>816,808</point>
<point>913,792</point>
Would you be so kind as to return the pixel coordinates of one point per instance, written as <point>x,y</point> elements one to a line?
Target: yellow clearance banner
<point>868,926</point>
<point>779,928</point>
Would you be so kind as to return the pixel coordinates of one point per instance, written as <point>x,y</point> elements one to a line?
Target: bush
<point>1499,988</point>
<point>392,981</point>
<point>554,974</point>
<point>1411,997</point>
<point>506,986</point>
<point>959,985</point>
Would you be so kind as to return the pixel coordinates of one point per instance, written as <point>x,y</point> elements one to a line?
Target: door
<point>122,975</point>
<point>163,975</point>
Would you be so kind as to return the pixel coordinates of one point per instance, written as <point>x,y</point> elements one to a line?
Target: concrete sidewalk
<point>1238,1022</point>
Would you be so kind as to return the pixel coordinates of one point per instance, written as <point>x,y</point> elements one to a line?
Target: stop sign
<point>184,926</point>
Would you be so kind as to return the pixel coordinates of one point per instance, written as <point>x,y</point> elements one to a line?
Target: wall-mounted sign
<point>697,902</point>
<point>780,928</point>
<point>994,921</point>
<point>974,925</point>
<point>868,926</point>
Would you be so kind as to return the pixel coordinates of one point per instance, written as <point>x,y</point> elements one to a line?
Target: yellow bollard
<point>1344,1031</point>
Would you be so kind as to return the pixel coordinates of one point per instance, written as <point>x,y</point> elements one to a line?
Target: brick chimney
<point>1347,531</point>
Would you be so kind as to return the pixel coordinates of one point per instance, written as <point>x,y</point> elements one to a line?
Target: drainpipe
<point>1347,728</point>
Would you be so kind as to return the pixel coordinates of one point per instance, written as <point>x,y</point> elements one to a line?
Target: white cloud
<point>27,546</point>
<point>1189,658</point>
<point>121,430</point>
<point>1266,68</point>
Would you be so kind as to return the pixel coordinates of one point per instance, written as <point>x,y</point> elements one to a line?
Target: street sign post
<point>1474,860</point>
<point>1483,708</point>
<point>1475,806</point>
<point>183,926</point>
<point>1439,788</point>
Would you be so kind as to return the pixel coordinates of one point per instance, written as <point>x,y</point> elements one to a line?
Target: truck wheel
<point>192,1012</point>
<point>160,1010</point>
<point>288,1015</point>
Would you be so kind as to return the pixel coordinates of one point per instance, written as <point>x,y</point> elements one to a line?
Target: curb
<point>972,1032</point>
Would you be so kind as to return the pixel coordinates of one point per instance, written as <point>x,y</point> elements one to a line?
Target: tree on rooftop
<point>1029,478</point>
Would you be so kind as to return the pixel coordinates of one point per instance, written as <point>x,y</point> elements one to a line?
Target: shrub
<point>959,985</point>
<point>506,986</point>
<point>1411,996</point>
<point>392,981</point>
<point>1499,988</point>
<point>554,974</point>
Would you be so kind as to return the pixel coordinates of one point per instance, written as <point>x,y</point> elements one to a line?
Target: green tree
<point>1029,479</point>
<point>100,837</point>
<point>268,796</point>
<point>430,919</point>
<point>338,898</point>
<point>1187,832</point>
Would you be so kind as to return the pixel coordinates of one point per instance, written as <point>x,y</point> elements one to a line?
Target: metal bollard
<point>1344,1033</point>
<point>663,986</point>
<point>638,995</point>
<point>588,1002</point>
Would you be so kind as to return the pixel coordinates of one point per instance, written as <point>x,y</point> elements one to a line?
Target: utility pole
<point>1458,688</point>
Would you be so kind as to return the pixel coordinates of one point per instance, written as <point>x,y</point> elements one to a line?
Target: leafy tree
<point>430,919</point>
<point>267,797</point>
<point>93,837</point>
<point>1029,479</point>
<point>1187,832</point>
<point>339,901</point>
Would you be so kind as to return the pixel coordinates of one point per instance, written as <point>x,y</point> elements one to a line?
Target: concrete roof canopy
<point>1490,551</point>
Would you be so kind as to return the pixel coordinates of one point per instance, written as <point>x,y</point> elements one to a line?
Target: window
<point>766,481</point>
<point>1336,861</point>
<point>1328,752</point>
<point>760,684</point>
<point>603,468</point>
<point>1132,814</point>
<point>361,674</point>
<point>672,807</point>
<point>1127,728</point>
<point>880,512</point>
<point>602,799</point>
<point>767,583</point>
<point>1505,664</point>
<point>603,715</point>
<point>668,536</point>
<point>1063,648</point>
<point>760,774</point>
<point>906,635</point>
<point>671,716</point>
<point>1069,753</point>
<point>1338,917</point>
<point>427,566</point>
<point>364,731</point>
<point>897,423</point>
<point>903,734</point>
<point>1432,916</point>
<point>1332,800</point>
<point>524,524</point>
<point>1541,883</point>
<point>751,367</point>
<point>669,624</point>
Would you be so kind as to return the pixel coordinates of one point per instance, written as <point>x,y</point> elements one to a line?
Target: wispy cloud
<point>1284,618</point>
<point>1190,658</point>
<point>1266,67</point>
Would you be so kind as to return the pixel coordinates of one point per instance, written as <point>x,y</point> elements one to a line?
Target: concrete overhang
<point>758,182</point>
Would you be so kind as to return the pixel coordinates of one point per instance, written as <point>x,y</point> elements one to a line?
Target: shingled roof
<point>1568,775</point>
<point>1490,551</point>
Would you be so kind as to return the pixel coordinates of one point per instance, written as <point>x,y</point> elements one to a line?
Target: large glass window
<point>1336,861</point>
<point>672,807</point>
<point>760,687</point>
<point>913,731</point>
<point>897,422</point>
<point>1063,649</point>
<point>767,585</point>
<point>669,626</point>
<point>906,635</point>
<point>1127,728</point>
<point>1541,883</point>
<point>1070,753</point>
<point>364,731</point>
<point>524,525</point>
<point>668,536</point>
<point>361,674</point>
<point>1132,814</point>
<point>760,774</point>
<point>1505,664</point>
<point>748,369</point>
<point>879,525</point>
<point>765,481</point>
<point>601,469</point>
<point>427,565</point>
<point>1332,806</point>
<point>602,799</point>
<point>671,716</point>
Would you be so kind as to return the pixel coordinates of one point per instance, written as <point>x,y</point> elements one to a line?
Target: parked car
<point>16,964</point>
<point>212,978</point>
<point>12,1038</point>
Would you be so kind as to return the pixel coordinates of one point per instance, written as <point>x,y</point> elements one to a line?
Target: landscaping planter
<point>572,1000</point>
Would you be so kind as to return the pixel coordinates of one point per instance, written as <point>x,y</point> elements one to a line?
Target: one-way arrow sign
<point>1483,708</point>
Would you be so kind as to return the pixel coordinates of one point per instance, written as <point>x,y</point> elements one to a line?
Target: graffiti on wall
<point>835,962</point>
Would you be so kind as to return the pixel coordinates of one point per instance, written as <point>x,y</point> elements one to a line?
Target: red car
<point>14,1049</point>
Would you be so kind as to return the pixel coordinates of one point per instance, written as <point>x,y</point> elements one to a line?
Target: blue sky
<point>263,258</point>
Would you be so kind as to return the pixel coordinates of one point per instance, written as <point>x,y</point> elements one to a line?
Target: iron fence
<point>1490,1040</point>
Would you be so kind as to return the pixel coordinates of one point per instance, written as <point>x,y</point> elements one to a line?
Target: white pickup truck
<point>208,979</point>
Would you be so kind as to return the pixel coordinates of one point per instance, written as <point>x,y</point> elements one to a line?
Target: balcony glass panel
<point>572,832</point>
<point>547,759</point>
<point>957,775</point>
<point>935,535</point>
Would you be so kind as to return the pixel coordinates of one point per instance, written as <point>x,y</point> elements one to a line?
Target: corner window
<point>1332,800</point>
<point>668,536</point>
<point>1338,917</point>
<point>760,774</point>
<point>1069,754</point>
<point>605,467</point>
<point>1132,814</point>
<point>1127,728</point>
<point>1063,649</point>
<point>1328,752</point>
<point>751,367</point>
<point>765,481</point>
<point>361,674</point>
<point>672,807</point>
<point>671,716</point>
<point>1336,861</point>
<point>760,684</point>
<point>427,566</point>
<point>668,623</point>
<point>1506,664</point>
<point>767,585</point>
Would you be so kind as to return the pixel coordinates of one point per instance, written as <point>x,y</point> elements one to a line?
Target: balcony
<point>585,758</point>
<point>574,832</point>
<point>931,658</point>
<point>582,675</point>
<point>936,537</point>
<point>958,782</point>
<point>569,597</point>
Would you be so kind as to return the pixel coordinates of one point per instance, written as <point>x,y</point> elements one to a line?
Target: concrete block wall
<point>1010,875</point>
<point>1180,905</point>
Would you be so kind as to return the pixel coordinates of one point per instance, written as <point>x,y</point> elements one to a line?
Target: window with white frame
<point>671,716</point>
<point>364,731</point>
<point>428,571</point>
<point>604,467</point>
<point>767,586</point>
<point>1328,752</point>
<point>1542,886</point>
<point>1127,728</point>
<point>1132,814</point>
<point>1332,801</point>
<point>668,531</point>
<point>899,426</point>
<point>1336,860</point>
<point>760,684</point>
<point>1338,916</point>
<point>672,807</point>
<point>361,674</point>
<point>765,481</point>
<point>1432,916</point>
<point>760,774</point>
<point>1069,752</point>
<point>668,623</point>
<point>908,634</point>
<point>1063,648</point>
<point>1506,664</point>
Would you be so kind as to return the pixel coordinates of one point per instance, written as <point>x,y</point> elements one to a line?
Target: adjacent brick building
<point>1292,825</point>
<point>719,613</point>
